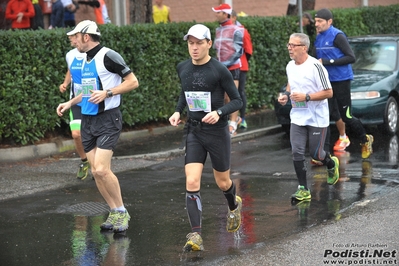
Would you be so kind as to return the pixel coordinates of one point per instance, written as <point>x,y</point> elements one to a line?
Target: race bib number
<point>198,101</point>
<point>88,84</point>
<point>299,104</point>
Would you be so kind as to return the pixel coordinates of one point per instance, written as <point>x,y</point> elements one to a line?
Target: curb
<point>237,138</point>
<point>59,146</point>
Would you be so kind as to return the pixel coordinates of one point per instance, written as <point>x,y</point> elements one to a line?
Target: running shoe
<point>303,207</point>
<point>341,144</point>
<point>367,148</point>
<point>121,222</point>
<point>243,124</point>
<point>194,242</point>
<point>109,223</point>
<point>301,194</point>
<point>316,162</point>
<point>234,217</point>
<point>83,170</point>
<point>233,126</point>
<point>333,174</point>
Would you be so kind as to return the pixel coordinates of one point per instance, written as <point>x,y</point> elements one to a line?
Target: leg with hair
<point>106,181</point>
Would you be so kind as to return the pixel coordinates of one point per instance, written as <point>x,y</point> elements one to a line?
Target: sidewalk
<point>35,168</point>
<point>139,142</point>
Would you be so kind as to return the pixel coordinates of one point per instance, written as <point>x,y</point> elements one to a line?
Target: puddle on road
<point>44,232</point>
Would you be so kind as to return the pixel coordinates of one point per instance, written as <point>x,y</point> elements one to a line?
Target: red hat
<point>223,8</point>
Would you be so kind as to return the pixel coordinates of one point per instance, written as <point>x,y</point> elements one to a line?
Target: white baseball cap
<point>198,31</point>
<point>87,27</point>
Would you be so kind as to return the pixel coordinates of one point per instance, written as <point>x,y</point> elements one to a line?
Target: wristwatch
<point>332,61</point>
<point>307,97</point>
<point>220,113</point>
<point>109,94</point>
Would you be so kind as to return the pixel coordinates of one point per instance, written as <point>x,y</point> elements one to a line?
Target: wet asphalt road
<point>61,226</point>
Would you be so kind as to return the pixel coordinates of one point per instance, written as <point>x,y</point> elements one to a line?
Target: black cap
<point>308,16</point>
<point>324,14</point>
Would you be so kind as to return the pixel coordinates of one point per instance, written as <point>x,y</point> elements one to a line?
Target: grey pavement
<point>366,227</point>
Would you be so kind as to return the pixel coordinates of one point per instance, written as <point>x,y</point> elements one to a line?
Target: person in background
<point>101,13</point>
<point>73,77</point>
<point>333,50</point>
<point>37,22</point>
<point>308,89</point>
<point>206,129</point>
<point>161,12</point>
<point>308,24</point>
<point>105,77</point>
<point>229,49</point>
<point>57,15</point>
<point>70,9</point>
<point>20,13</point>
<point>248,49</point>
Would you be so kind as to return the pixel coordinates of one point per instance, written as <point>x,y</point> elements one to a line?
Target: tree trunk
<point>306,6</point>
<point>140,11</point>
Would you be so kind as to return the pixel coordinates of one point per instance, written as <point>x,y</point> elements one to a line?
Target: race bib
<point>198,101</point>
<point>88,84</point>
<point>299,104</point>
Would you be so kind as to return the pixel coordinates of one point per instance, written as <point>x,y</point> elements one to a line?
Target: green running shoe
<point>234,217</point>
<point>333,174</point>
<point>83,170</point>
<point>194,242</point>
<point>121,222</point>
<point>109,223</point>
<point>301,194</point>
<point>367,148</point>
<point>243,124</point>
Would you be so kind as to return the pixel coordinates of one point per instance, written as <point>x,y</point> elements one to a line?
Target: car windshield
<point>375,55</point>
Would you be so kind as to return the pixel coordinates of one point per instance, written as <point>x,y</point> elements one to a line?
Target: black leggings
<point>340,106</point>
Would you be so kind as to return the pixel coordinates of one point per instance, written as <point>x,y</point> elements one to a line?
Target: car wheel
<point>391,116</point>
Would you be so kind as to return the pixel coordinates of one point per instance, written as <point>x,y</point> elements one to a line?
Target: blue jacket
<point>325,48</point>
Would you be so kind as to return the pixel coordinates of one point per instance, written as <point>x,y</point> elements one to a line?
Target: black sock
<point>194,210</point>
<point>300,170</point>
<point>84,160</point>
<point>230,195</point>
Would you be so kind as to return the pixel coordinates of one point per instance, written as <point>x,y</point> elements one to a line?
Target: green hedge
<point>33,65</point>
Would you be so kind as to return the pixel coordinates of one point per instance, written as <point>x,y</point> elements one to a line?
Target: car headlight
<point>364,95</point>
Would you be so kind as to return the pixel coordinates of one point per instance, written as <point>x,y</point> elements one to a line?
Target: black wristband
<point>287,93</point>
<point>109,94</point>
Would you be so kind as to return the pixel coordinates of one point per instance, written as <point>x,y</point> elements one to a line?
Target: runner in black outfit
<point>204,81</point>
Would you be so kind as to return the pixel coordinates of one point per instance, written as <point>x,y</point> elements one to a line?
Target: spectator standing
<point>229,48</point>
<point>57,15</point>
<point>308,89</point>
<point>332,49</point>
<point>70,9</point>
<point>206,129</point>
<point>101,13</point>
<point>161,12</point>
<point>20,13</point>
<point>248,49</point>
<point>105,77</point>
<point>308,24</point>
<point>37,22</point>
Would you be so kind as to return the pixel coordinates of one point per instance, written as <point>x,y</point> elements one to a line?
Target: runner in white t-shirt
<point>308,89</point>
